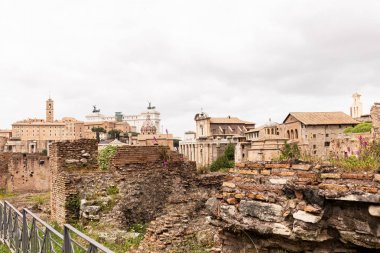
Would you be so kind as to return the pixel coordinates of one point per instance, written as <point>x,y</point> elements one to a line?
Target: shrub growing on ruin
<point>105,156</point>
<point>221,163</point>
<point>230,152</point>
<point>361,128</point>
<point>73,206</point>
<point>225,161</point>
<point>112,190</point>
<point>367,158</point>
<point>290,152</point>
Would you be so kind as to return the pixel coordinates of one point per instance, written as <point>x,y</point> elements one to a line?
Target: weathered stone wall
<point>297,208</point>
<point>24,172</point>
<point>143,185</point>
<point>375,116</point>
<point>3,141</point>
<point>67,158</point>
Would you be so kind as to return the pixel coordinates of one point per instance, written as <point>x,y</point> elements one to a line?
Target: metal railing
<point>24,232</point>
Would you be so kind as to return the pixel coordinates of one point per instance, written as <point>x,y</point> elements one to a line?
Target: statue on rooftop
<point>95,110</point>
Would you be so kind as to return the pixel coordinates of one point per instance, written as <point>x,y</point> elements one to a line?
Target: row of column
<point>199,153</point>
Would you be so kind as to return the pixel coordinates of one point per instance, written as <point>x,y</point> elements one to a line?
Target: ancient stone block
<point>301,166</point>
<point>265,172</point>
<point>356,176</point>
<point>248,172</point>
<point>330,175</point>
<point>374,211</point>
<point>279,229</point>
<point>377,177</point>
<point>368,189</point>
<point>255,165</point>
<point>262,211</point>
<point>280,181</point>
<point>306,217</point>
<point>278,165</point>
<point>232,201</point>
<point>334,187</point>
<point>307,175</point>
<point>283,173</point>
<point>229,185</point>
<point>312,209</point>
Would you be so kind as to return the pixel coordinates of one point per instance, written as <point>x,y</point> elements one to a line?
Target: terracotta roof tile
<point>229,120</point>
<point>323,118</point>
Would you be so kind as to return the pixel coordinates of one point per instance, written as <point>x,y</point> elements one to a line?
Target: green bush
<point>290,152</point>
<point>221,163</point>
<point>226,161</point>
<point>230,152</point>
<point>105,156</point>
<point>361,128</point>
<point>73,206</point>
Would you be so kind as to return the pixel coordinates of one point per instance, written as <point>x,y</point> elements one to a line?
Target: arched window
<point>292,134</point>
<point>288,134</point>
<point>272,131</point>
<point>296,134</point>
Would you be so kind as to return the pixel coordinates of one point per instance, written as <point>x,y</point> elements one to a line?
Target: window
<point>315,152</point>
<point>314,146</point>
<point>314,136</point>
<point>296,134</point>
<point>327,135</point>
<point>327,144</point>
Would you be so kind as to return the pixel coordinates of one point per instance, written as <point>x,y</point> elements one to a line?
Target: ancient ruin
<point>284,207</point>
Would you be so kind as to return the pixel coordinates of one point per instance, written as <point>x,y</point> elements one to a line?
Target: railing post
<point>24,236</point>
<point>1,220</point>
<point>66,240</point>
<point>5,225</point>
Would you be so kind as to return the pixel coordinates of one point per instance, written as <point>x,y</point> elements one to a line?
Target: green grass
<point>4,249</point>
<point>6,195</point>
<point>39,199</point>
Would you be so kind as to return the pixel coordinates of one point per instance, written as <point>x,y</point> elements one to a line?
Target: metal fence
<point>24,232</point>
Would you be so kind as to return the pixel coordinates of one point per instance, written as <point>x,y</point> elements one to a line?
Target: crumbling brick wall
<point>67,158</point>
<point>143,154</point>
<point>375,116</point>
<point>138,172</point>
<point>296,208</point>
<point>24,172</point>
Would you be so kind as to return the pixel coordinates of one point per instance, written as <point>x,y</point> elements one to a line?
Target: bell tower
<point>357,106</point>
<point>50,110</point>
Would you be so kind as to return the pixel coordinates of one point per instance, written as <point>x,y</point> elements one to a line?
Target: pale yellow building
<point>35,135</point>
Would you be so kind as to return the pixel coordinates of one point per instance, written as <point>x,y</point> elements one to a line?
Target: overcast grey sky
<point>250,59</point>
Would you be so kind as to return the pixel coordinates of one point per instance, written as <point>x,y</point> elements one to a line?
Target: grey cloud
<point>252,59</point>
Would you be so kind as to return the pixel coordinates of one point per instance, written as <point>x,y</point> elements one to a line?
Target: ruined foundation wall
<point>297,208</point>
<point>24,172</point>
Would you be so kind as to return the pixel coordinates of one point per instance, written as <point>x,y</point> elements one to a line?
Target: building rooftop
<point>323,118</point>
<point>229,120</point>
